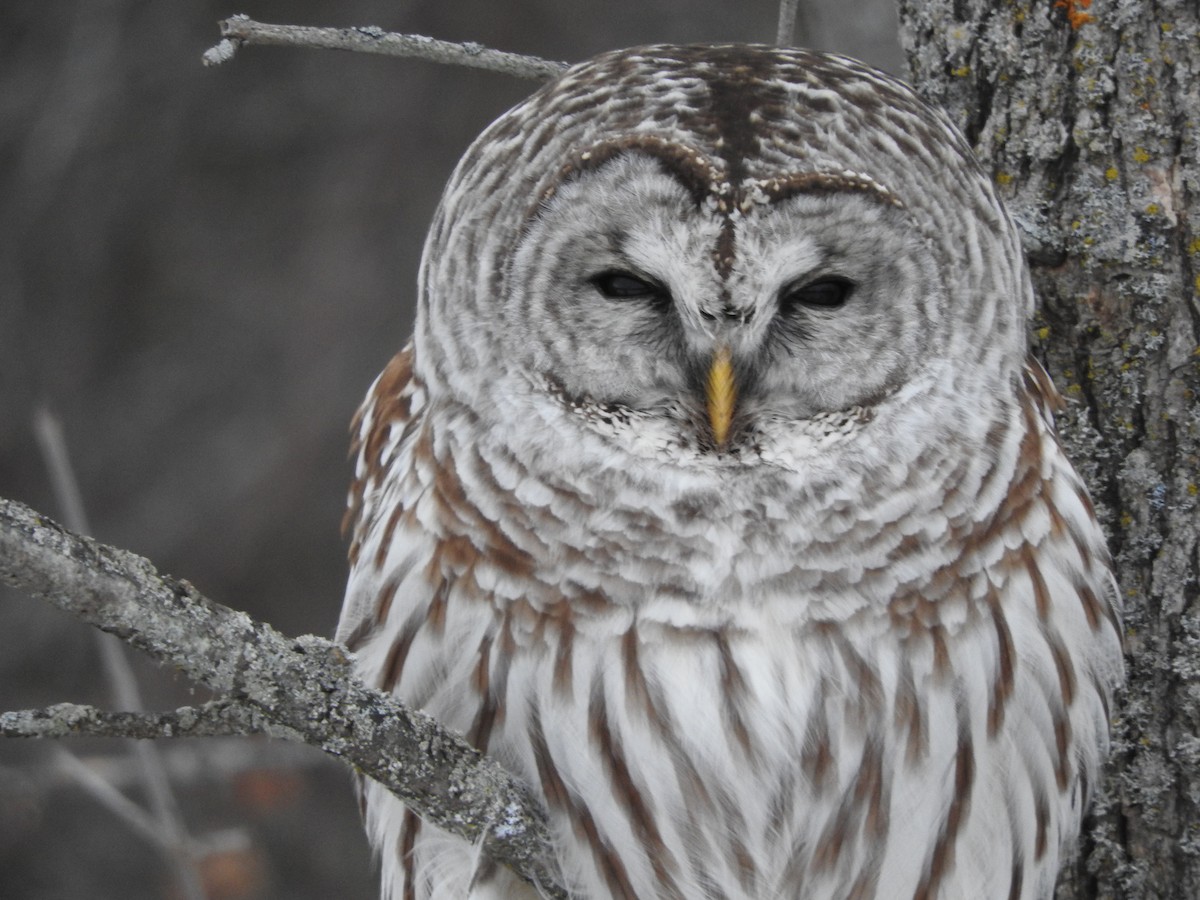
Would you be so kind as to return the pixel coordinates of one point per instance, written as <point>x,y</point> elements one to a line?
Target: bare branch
<point>305,684</point>
<point>218,718</point>
<point>115,802</point>
<point>48,431</point>
<point>239,30</point>
<point>785,34</point>
<point>215,762</point>
<point>84,776</point>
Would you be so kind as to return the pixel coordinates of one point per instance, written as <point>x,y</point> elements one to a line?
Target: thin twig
<point>172,832</point>
<point>216,762</point>
<point>84,776</point>
<point>114,801</point>
<point>306,684</point>
<point>239,30</point>
<point>217,718</point>
<point>785,34</point>
<point>48,431</point>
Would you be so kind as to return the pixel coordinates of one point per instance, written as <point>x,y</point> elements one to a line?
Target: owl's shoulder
<point>378,429</point>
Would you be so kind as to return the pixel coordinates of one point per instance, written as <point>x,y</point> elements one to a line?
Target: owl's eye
<point>618,285</point>
<point>824,293</point>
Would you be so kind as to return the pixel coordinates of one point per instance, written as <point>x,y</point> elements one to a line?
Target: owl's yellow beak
<point>721,394</point>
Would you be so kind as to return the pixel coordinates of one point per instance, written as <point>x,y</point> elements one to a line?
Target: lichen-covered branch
<point>1087,112</point>
<point>239,30</point>
<point>304,684</point>
<point>218,718</point>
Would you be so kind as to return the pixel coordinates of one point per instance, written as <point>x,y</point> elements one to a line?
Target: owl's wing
<point>391,595</point>
<point>383,433</point>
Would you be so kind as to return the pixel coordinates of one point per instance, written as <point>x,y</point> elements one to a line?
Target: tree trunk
<point>1088,116</point>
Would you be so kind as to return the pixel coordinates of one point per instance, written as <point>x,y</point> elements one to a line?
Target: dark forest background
<point>201,270</point>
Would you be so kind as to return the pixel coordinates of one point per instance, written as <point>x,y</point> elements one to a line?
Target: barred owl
<point>718,499</point>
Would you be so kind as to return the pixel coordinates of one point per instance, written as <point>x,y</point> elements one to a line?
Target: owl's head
<point>722,254</point>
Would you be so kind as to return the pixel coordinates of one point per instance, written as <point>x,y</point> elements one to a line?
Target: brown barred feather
<point>404,850</point>
<point>632,798</point>
<point>941,860</point>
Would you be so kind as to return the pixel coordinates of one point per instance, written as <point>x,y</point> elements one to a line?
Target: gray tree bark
<point>1088,116</point>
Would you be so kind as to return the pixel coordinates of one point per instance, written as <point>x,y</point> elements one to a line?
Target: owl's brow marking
<point>699,175</point>
<point>711,184</point>
<point>782,187</point>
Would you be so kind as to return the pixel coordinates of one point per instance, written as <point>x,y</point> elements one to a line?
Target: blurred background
<point>201,270</point>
